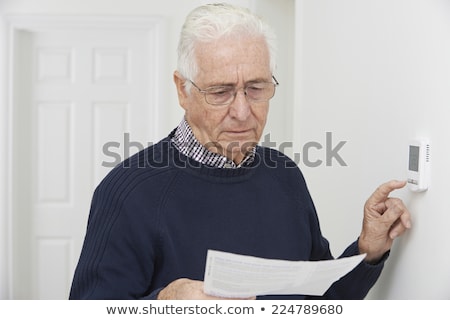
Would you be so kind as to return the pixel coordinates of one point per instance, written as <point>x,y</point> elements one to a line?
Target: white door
<point>84,98</point>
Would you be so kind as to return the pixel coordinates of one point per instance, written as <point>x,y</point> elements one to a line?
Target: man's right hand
<point>187,289</point>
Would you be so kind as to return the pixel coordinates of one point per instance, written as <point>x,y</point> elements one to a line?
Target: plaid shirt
<point>185,141</point>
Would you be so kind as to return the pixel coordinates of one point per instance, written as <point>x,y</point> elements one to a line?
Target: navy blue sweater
<point>154,217</point>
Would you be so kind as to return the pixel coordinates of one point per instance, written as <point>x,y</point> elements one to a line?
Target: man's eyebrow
<point>233,84</point>
<point>257,80</point>
<point>221,84</point>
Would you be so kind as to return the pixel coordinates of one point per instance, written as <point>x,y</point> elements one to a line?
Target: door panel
<point>77,90</point>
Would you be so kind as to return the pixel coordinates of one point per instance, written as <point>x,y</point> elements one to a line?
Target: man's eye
<point>255,88</point>
<point>220,92</point>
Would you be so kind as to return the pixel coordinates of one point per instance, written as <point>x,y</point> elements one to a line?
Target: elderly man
<point>208,185</point>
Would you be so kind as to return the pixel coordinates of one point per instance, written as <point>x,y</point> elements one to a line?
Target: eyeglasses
<point>225,95</point>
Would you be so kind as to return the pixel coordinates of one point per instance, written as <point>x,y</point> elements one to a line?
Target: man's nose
<point>240,107</point>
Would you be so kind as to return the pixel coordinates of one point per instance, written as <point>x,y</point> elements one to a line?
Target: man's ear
<point>181,90</point>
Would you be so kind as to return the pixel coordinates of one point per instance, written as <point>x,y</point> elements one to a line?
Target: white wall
<point>376,74</point>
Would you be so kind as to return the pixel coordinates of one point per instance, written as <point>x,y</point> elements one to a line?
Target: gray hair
<point>210,22</point>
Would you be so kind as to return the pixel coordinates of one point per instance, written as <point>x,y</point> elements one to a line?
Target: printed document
<point>232,275</point>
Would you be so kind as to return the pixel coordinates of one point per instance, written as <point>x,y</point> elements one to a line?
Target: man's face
<point>231,129</point>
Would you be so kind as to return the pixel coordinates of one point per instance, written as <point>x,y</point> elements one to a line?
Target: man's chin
<point>240,149</point>
<point>232,149</point>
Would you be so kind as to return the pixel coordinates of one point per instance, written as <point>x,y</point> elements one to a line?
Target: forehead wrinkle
<point>227,62</point>
<point>241,76</point>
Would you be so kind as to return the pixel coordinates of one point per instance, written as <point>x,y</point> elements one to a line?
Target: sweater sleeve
<point>121,245</point>
<point>357,283</point>
<point>112,264</point>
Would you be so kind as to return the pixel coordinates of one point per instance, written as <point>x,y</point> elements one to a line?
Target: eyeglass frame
<point>205,92</point>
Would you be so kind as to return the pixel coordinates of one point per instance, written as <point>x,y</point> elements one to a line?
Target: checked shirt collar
<point>186,143</point>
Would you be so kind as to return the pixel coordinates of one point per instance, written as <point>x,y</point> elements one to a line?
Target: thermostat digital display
<point>414,152</point>
<point>419,165</point>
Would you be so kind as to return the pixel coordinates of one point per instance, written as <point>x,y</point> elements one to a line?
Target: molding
<point>49,22</point>
<point>5,173</point>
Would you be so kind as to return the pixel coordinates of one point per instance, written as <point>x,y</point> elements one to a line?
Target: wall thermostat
<point>419,165</point>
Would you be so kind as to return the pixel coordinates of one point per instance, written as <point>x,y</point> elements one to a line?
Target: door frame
<point>10,28</point>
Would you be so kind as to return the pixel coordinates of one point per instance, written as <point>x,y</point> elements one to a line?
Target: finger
<point>397,217</point>
<point>250,298</point>
<point>395,208</point>
<point>406,219</point>
<point>401,209</point>
<point>397,230</point>
<point>209,297</point>
<point>383,191</point>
